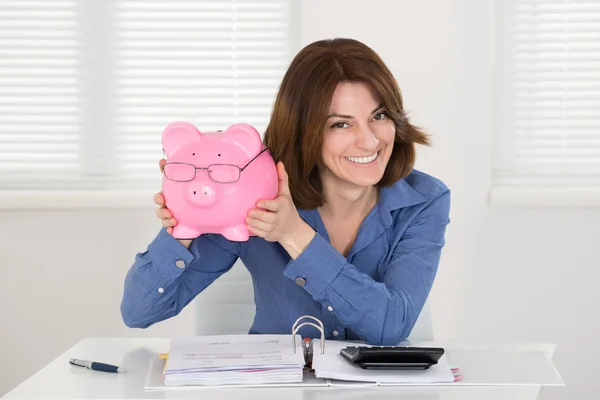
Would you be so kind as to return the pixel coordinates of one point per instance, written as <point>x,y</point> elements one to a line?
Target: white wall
<point>506,274</point>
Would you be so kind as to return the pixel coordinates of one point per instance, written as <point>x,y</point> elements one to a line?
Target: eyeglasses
<point>220,173</point>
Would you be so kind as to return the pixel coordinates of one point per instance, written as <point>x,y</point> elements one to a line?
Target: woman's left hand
<point>278,220</point>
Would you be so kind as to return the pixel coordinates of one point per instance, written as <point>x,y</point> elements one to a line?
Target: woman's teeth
<point>363,160</point>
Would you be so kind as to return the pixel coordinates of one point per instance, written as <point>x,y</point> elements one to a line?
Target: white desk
<point>59,380</point>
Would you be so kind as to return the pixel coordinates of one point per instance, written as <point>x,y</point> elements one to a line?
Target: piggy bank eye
<point>193,154</point>
<point>219,155</point>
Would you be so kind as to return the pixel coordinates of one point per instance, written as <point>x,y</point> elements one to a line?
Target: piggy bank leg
<point>183,232</point>
<point>237,233</point>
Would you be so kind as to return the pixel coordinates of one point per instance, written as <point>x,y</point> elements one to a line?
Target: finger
<point>159,199</point>
<point>284,185</point>
<point>161,164</point>
<point>258,232</point>
<point>163,213</point>
<point>271,205</point>
<point>169,222</point>
<point>265,216</point>
<point>170,230</point>
<point>257,223</point>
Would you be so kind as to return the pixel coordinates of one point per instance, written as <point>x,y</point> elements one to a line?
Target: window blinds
<point>547,92</point>
<point>40,91</point>
<point>86,88</point>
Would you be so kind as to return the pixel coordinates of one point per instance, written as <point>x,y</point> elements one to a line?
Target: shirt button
<point>161,290</point>
<point>330,308</point>
<point>300,281</point>
<point>335,333</point>
<point>180,264</point>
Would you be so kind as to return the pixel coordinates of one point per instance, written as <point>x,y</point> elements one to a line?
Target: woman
<point>354,236</point>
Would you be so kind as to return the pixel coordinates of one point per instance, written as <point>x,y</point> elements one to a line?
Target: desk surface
<point>59,380</point>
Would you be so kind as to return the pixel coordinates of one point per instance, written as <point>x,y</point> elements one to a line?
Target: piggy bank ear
<point>178,133</point>
<point>246,136</point>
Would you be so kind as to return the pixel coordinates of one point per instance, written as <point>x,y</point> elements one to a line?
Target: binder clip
<point>308,344</point>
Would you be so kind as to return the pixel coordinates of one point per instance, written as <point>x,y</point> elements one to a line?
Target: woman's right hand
<point>163,213</point>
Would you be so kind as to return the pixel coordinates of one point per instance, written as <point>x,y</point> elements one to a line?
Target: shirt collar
<point>401,194</point>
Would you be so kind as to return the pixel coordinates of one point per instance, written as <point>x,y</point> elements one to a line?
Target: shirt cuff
<point>168,255</point>
<point>316,267</point>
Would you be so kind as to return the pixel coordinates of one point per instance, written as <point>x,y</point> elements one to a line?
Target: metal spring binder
<point>319,327</point>
<point>308,353</point>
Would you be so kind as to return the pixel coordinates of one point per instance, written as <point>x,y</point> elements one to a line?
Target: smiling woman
<point>347,93</point>
<point>354,236</point>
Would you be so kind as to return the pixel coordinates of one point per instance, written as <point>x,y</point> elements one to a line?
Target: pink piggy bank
<point>212,179</point>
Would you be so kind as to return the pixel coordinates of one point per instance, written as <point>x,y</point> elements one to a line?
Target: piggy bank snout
<point>201,194</point>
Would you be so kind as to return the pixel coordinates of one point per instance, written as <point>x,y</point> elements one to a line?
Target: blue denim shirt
<point>375,294</point>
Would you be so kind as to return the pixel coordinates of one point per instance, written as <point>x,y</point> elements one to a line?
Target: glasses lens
<point>224,173</point>
<point>180,172</point>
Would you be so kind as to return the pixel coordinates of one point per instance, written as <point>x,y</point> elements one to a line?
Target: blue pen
<point>96,366</point>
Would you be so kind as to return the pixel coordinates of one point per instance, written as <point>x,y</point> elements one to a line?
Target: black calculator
<point>392,357</point>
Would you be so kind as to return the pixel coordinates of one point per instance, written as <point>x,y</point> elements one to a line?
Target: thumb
<point>284,188</point>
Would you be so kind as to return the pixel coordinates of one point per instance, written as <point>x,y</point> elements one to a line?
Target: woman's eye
<point>339,125</point>
<point>379,116</point>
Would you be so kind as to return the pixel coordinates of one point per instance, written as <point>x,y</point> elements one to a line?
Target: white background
<point>515,274</point>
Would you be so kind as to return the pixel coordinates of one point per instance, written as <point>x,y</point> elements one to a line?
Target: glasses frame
<point>241,169</point>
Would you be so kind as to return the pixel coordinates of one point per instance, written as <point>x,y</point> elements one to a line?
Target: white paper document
<point>155,381</point>
<point>234,359</point>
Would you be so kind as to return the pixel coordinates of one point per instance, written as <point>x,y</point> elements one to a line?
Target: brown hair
<point>295,131</point>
